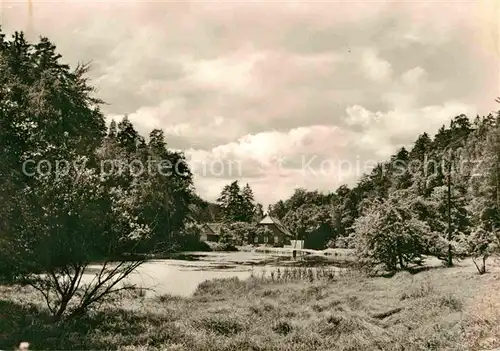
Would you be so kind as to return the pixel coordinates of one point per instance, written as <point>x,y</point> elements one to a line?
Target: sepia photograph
<point>250,175</point>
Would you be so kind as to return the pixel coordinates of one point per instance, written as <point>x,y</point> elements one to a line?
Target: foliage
<point>452,179</point>
<point>237,205</point>
<point>480,244</point>
<point>312,223</point>
<point>57,221</point>
<point>226,234</point>
<point>390,234</point>
<point>242,232</point>
<point>62,230</point>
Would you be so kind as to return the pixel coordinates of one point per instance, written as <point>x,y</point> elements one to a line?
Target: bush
<point>227,247</point>
<point>342,243</point>
<point>389,235</point>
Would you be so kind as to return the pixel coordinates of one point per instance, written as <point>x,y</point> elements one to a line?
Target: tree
<point>113,130</point>
<point>346,209</point>
<point>226,236</point>
<point>449,218</point>
<point>203,211</point>
<point>484,195</point>
<point>230,201</point>
<point>65,224</point>
<point>237,205</point>
<point>480,244</point>
<point>312,223</point>
<point>262,232</point>
<point>401,174</point>
<point>128,137</point>
<point>390,235</point>
<point>166,193</point>
<point>419,164</point>
<point>259,213</point>
<point>242,232</point>
<point>57,222</point>
<point>248,204</point>
<point>47,113</point>
<point>277,210</point>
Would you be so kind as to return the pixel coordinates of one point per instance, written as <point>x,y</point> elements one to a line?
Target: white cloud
<point>374,67</point>
<point>358,115</point>
<point>414,76</point>
<point>232,73</point>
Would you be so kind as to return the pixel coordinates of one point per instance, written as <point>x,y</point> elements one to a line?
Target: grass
<point>438,309</point>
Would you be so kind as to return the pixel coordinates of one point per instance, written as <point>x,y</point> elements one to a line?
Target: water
<point>181,274</point>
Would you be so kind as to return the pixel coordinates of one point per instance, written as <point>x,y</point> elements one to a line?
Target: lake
<point>182,273</point>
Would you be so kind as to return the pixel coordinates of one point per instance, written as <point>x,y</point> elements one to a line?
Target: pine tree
<point>259,213</point>
<point>248,204</point>
<point>401,174</point>
<point>419,164</point>
<point>113,130</point>
<point>231,202</point>
<point>128,137</point>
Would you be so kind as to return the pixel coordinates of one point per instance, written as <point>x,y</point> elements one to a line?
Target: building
<point>279,234</point>
<point>210,232</point>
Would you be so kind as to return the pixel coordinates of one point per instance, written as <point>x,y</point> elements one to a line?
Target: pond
<point>182,273</point>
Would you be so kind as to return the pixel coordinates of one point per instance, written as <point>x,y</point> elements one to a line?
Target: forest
<point>439,197</point>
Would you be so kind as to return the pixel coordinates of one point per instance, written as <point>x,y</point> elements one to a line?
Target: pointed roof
<point>273,220</point>
<point>267,220</point>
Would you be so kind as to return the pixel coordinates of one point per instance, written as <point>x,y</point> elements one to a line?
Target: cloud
<point>414,76</point>
<point>252,82</point>
<point>374,67</point>
<point>319,156</point>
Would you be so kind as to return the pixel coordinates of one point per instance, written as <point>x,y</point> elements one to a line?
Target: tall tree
<point>237,204</point>
<point>128,137</point>
<point>259,213</point>
<point>113,130</point>
<point>249,206</point>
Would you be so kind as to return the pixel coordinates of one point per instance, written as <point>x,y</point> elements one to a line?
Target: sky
<point>279,94</point>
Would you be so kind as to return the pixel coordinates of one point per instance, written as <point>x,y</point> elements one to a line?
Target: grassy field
<point>438,309</point>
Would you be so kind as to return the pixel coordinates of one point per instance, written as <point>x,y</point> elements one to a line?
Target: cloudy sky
<point>279,94</point>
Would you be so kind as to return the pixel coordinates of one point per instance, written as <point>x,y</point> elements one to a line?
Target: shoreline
<point>344,312</point>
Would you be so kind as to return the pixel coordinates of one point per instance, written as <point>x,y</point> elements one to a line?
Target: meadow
<point>293,309</point>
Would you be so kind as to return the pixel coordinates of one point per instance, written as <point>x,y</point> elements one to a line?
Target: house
<point>210,232</point>
<point>279,236</point>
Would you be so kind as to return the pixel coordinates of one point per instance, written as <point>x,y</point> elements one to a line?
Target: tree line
<point>57,221</point>
<point>439,198</point>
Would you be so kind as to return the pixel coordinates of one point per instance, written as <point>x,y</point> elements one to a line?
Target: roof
<point>214,227</point>
<point>273,220</point>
